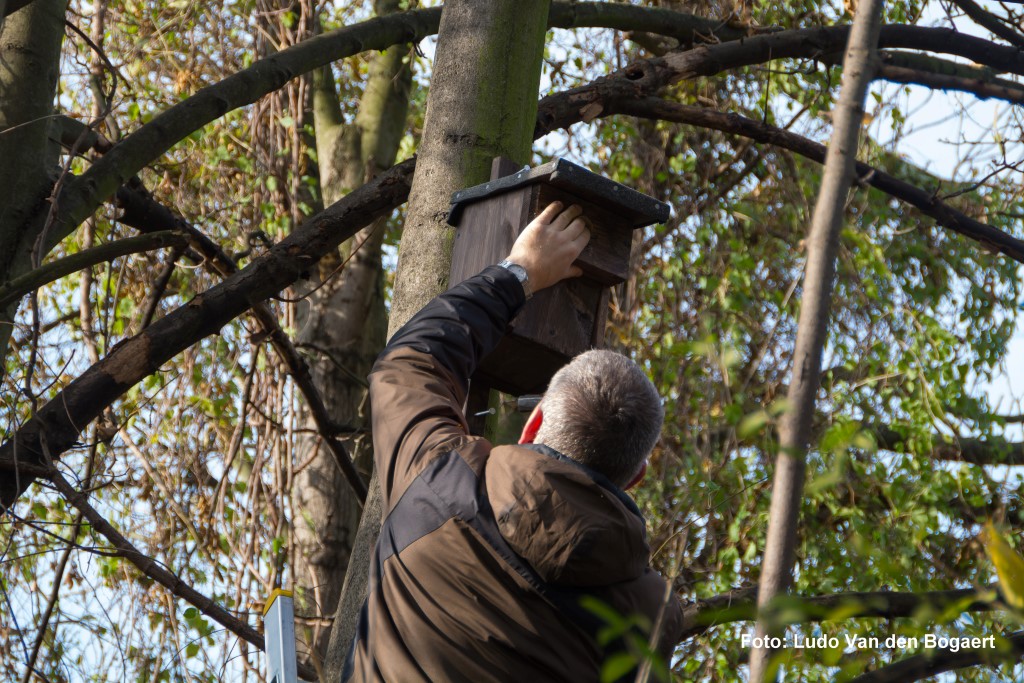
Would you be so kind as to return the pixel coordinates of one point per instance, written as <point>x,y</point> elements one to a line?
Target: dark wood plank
<point>486,233</point>
<point>503,166</point>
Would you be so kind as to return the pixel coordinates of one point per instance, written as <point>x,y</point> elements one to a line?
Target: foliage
<point>194,465</point>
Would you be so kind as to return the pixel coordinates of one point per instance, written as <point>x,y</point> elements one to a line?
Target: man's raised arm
<point>418,384</point>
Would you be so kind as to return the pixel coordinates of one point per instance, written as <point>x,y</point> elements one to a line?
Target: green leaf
<point>617,666</point>
<point>1009,566</point>
<point>752,424</point>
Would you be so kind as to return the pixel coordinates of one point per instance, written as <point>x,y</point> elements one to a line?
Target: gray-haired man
<point>491,559</point>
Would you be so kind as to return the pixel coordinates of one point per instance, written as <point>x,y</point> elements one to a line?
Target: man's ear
<point>532,425</point>
<point>638,478</point>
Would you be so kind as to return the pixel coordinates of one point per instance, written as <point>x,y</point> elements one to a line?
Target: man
<point>490,559</point>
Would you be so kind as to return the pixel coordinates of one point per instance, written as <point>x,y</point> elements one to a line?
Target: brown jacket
<point>486,552</point>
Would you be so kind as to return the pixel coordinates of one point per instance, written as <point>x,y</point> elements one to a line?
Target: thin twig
<point>154,570</point>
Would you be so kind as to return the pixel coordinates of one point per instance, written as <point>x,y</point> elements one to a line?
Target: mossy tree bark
<point>482,104</point>
<point>30,41</point>
<point>342,327</point>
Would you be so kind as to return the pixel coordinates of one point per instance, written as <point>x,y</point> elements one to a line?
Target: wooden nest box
<point>569,318</point>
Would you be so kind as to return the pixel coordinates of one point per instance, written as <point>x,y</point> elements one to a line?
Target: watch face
<point>515,269</point>
<point>521,275</point>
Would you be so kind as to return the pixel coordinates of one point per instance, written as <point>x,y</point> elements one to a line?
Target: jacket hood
<point>571,524</point>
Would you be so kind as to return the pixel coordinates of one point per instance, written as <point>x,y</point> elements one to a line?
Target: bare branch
<point>980,89</point>
<point>995,451</point>
<point>63,418</point>
<point>81,197</point>
<point>990,21</point>
<point>49,272</point>
<point>928,203</point>
<point>159,287</point>
<point>154,570</point>
<point>859,65</point>
<point>22,467</point>
<point>687,29</point>
<point>939,74</point>
<point>142,211</point>
<point>740,605</point>
<point>940,661</point>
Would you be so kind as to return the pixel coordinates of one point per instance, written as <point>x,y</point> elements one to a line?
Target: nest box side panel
<point>562,317</point>
<point>556,325</point>
<point>606,257</point>
<point>487,229</point>
<point>520,366</point>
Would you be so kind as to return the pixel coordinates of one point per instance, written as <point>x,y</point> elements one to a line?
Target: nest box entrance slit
<point>562,321</point>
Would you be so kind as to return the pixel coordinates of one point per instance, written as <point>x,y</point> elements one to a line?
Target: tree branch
<point>940,661</point>
<point>991,451</point>
<point>900,67</point>
<point>142,211</point>
<point>688,29</point>
<point>624,92</point>
<point>928,203</point>
<point>13,6</point>
<point>21,467</point>
<point>1004,90</point>
<point>84,194</point>
<point>740,605</point>
<point>84,399</point>
<point>990,21</point>
<point>48,272</point>
<point>829,42</point>
<point>995,451</point>
<point>151,568</point>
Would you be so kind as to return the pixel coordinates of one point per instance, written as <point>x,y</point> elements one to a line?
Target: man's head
<point>603,412</point>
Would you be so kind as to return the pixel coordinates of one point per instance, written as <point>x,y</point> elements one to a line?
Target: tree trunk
<point>482,104</point>
<point>812,327</point>
<point>30,42</point>
<point>343,325</point>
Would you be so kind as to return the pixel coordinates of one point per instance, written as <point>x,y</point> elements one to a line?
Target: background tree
<point>342,322</point>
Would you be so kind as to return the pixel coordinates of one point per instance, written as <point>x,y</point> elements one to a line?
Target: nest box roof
<point>635,208</point>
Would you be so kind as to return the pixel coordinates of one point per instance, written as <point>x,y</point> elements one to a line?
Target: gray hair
<point>603,412</point>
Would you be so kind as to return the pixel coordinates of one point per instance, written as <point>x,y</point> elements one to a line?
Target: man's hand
<point>547,246</point>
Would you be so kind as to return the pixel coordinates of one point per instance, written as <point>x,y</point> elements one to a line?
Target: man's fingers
<point>575,271</point>
<point>577,227</point>
<point>567,217</point>
<point>549,214</point>
<point>580,239</point>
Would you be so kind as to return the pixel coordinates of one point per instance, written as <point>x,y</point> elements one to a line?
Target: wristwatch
<point>520,274</point>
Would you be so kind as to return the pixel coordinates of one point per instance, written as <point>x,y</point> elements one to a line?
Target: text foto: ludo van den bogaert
<point>857,642</point>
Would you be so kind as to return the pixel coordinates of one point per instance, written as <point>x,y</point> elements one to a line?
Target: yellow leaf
<point>1009,566</point>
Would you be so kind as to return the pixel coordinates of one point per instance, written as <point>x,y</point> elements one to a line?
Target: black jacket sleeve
<point>418,384</point>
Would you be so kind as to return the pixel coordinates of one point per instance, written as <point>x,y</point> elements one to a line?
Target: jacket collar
<point>599,479</point>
